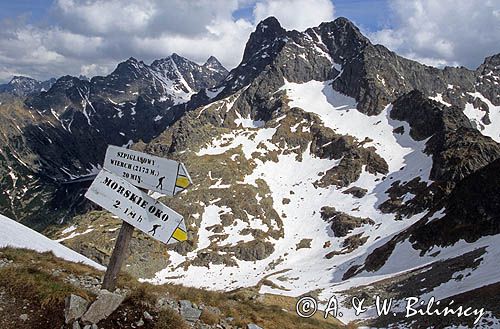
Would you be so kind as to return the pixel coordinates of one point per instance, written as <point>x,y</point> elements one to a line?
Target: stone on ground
<point>75,307</point>
<point>105,304</point>
<point>253,326</point>
<point>188,312</point>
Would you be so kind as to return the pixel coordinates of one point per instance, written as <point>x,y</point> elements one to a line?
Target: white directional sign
<point>136,207</point>
<point>147,171</point>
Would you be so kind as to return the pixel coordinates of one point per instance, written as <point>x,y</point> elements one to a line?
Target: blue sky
<point>371,14</point>
<point>32,9</point>
<point>45,38</point>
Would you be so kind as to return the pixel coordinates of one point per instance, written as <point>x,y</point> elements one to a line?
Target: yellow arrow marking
<point>179,235</point>
<point>182,182</point>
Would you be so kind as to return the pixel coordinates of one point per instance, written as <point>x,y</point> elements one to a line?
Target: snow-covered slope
<point>310,254</point>
<point>14,234</point>
<point>295,179</point>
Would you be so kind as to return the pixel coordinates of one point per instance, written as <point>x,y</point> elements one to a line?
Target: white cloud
<point>223,39</point>
<point>142,17</point>
<point>295,14</point>
<point>91,70</point>
<point>444,32</point>
<point>103,17</point>
<point>91,36</point>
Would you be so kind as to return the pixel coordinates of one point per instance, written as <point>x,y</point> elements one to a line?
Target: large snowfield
<point>301,271</point>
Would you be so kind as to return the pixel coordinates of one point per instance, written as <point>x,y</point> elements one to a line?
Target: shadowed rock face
<point>465,174</point>
<point>426,117</point>
<point>457,148</point>
<point>472,211</point>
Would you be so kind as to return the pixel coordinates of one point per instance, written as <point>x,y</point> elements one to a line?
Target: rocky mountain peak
<point>66,82</point>
<point>318,54</point>
<point>270,25</point>
<point>23,86</point>
<point>265,33</point>
<point>177,59</point>
<point>491,66</point>
<point>128,66</point>
<point>190,76</point>
<point>63,91</point>
<point>176,56</point>
<point>17,79</point>
<point>493,60</point>
<point>344,27</point>
<point>214,64</point>
<point>343,39</point>
<point>132,59</point>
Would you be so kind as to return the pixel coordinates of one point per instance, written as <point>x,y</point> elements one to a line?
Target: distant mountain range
<point>52,136</point>
<point>322,164</point>
<point>23,86</point>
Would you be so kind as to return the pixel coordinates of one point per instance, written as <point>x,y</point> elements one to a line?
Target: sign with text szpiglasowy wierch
<point>136,207</point>
<point>147,171</point>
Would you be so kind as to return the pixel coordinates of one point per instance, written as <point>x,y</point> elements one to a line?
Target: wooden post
<point>117,257</point>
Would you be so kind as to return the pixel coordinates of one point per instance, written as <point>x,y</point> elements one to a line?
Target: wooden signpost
<point>121,189</point>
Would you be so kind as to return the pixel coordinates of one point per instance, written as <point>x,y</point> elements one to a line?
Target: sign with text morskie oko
<point>136,207</point>
<point>165,176</point>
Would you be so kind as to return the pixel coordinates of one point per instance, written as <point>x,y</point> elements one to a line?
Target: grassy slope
<point>36,284</point>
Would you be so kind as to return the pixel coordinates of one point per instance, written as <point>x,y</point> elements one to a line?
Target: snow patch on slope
<point>405,258</point>
<point>248,139</point>
<point>338,112</point>
<point>476,116</point>
<point>14,234</point>
<point>248,122</point>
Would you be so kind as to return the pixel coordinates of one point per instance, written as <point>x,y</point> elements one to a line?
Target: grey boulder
<point>189,312</point>
<point>105,304</point>
<point>253,326</point>
<point>75,307</point>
